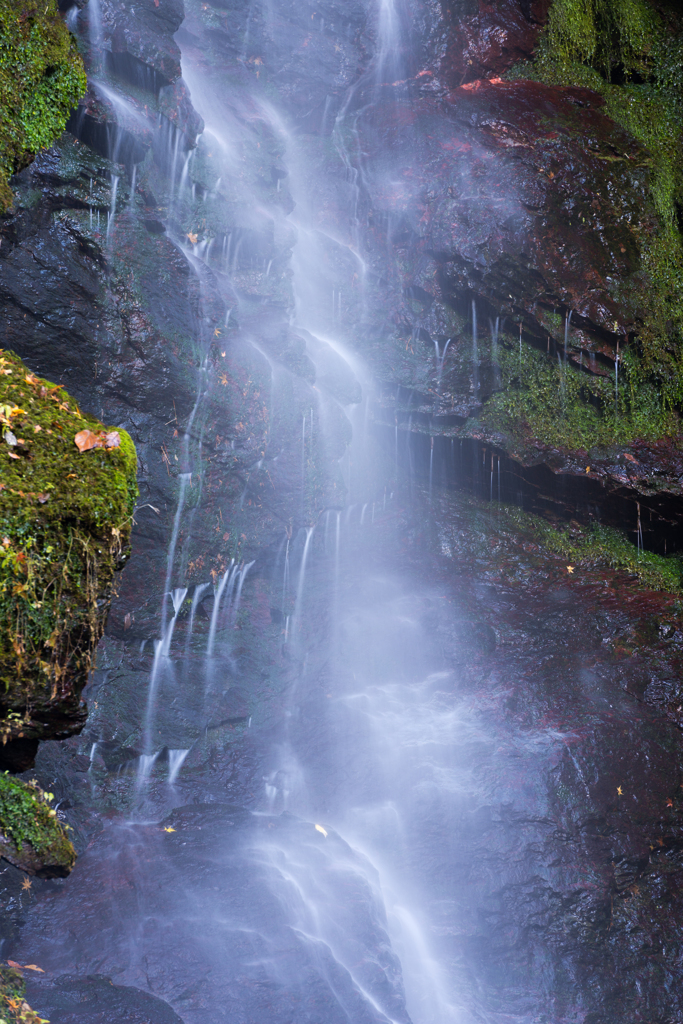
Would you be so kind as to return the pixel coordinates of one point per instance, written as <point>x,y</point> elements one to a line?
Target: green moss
<point>604,34</point>
<point>13,1007</point>
<point>564,407</point>
<point>65,520</point>
<point>27,817</point>
<point>41,80</point>
<point>601,546</point>
<point>588,43</point>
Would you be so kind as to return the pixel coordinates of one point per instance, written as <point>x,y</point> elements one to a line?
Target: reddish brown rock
<point>488,41</point>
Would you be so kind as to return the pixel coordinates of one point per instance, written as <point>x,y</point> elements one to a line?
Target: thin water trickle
<point>228,577</point>
<point>298,607</point>
<point>176,759</point>
<point>567,322</point>
<point>199,591</point>
<point>185,479</point>
<point>475,351</point>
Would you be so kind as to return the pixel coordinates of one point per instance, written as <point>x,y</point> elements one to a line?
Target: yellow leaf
<point>570,568</point>
<point>319,828</point>
<point>33,967</point>
<point>193,238</point>
<point>619,791</point>
<point>169,829</point>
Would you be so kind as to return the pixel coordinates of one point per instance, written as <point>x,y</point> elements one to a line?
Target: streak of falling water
<point>475,352</point>
<point>303,465</point>
<point>298,607</point>
<point>162,649</point>
<point>175,763</point>
<point>228,577</point>
<point>567,321</point>
<point>184,480</point>
<point>431,464</point>
<point>112,205</point>
<point>196,598</point>
<point>440,357</point>
<point>337,539</point>
<point>285,576</point>
<point>241,576</point>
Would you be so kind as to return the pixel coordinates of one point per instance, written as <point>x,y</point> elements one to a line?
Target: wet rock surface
<point>539,801</point>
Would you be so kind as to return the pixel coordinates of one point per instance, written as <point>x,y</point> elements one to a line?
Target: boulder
<point>66,503</point>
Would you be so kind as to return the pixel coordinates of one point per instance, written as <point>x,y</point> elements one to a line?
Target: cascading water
<point>339,859</point>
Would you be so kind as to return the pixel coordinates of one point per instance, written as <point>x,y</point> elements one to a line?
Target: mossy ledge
<point>41,79</point>
<point>31,836</point>
<point>65,522</point>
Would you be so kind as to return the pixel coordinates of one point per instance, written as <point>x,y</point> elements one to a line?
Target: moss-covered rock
<point>65,521</point>
<point>31,836</point>
<point>41,80</point>
<point>13,1006</point>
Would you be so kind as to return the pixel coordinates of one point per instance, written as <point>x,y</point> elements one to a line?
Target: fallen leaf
<point>630,457</point>
<point>570,568</point>
<point>26,883</point>
<point>33,967</point>
<point>169,829</point>
<point>37,428</point>
<point>669,803</point>
<point>13,963</point>
<point>87,439</point>
<point>588,469</point>
<point>619,791</point>
<point>193,238</point>
<point>10,438</point>
<point>12,455</point>
<point>319,828</point>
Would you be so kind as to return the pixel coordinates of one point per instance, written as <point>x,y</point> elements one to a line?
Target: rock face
<point>486,39</point>
<point>66,504</point>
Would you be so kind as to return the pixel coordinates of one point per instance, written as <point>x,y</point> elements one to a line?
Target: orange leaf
<point>13,963</point>
<point>87,439</point>
<point>629,457</point>
<point>32,967</point>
